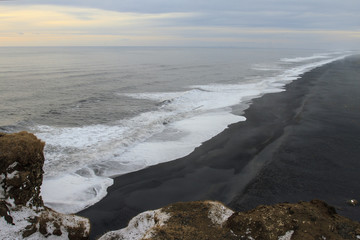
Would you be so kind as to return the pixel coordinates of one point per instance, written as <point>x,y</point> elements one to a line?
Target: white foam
<point>313,57</point>
<point>308,58</point>
<point>146,143</point>
<point>267,67</point>
<point>190,133</point>
<point>194,99</point>
<point>80,160</point>
<point>71,193</point>
<point>303,59</point>
<point>78,137</point>
<point>294,73</point>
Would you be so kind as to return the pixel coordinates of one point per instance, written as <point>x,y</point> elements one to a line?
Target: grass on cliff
<point>19,147</point>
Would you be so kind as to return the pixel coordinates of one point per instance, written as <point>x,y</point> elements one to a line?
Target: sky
<point>197,23</point>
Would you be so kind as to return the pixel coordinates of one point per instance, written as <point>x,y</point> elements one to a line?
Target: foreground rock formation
<point>213,221</point>
<point>22,211</point>
<point>24,216</point>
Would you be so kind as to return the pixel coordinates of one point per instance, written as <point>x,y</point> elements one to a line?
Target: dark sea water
<point>108,111</point>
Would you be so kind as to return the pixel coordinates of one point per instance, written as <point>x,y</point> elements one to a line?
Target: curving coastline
<point>296,145</point>
<point>301,144</point>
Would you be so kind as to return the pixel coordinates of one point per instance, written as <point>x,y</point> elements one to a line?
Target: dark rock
<point>4,212</point>
<point>352,202</point>
<point>31,229</point>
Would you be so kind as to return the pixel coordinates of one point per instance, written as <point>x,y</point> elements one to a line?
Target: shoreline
<point>248,163</point>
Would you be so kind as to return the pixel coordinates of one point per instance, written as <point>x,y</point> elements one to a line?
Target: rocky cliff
<point>213,221</point>
<point>22,211</point>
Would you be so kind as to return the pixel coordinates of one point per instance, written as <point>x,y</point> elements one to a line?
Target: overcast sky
<point>239,23</point>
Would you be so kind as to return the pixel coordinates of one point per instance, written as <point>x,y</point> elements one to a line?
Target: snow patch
<point>287,235</point>
<point>141,226</point>
<point>67,220</point>
<point>218,213</point>
<point>9,231</point>
<point>13,165</point>
<point>12,175</point>
<point>11,202</point>
<point>21,219</point>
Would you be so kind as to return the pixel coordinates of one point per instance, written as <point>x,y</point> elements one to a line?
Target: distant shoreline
<point>296,145</point>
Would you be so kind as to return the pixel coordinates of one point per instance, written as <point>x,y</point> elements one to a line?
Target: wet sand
<point>300,144</point>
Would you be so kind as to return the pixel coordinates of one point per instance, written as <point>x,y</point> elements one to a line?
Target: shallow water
<point>109,111</point>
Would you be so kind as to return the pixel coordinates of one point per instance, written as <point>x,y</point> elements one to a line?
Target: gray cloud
<point>324,14</point>
<point>227,20</point>
<point>153,6</point>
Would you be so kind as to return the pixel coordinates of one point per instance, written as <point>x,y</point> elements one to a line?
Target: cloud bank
<point>263,23</point>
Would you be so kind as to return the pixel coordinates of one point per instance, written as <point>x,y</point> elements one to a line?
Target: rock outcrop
<point>212,221</point>
<point>24,216</point>
<point>22,211</point>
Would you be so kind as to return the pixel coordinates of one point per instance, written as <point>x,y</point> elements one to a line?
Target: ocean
<point>107,111</point>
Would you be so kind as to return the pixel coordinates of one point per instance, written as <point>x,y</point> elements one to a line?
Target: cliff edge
<point>22,211</point>
<point>213,221</point>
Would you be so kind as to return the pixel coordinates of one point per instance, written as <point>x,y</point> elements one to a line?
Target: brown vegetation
<point>190,221</point>
<point>304,220</point>
<point>307,220</point>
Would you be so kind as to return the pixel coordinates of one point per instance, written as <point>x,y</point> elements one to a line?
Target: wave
<point>304,59</point>
<point>313,57</point>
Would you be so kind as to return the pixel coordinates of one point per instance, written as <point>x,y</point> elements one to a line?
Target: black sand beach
<point>296,145</point>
